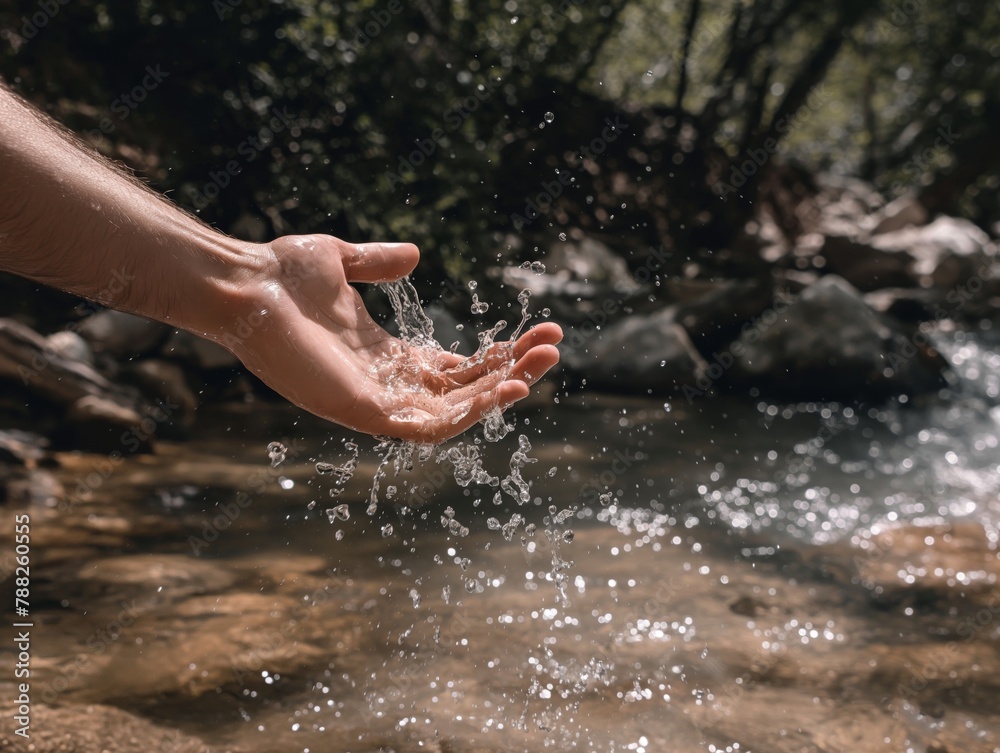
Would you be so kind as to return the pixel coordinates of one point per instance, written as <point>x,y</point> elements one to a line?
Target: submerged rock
<point>170,573</point>
<point>80,728</point>
<point>829,344</point>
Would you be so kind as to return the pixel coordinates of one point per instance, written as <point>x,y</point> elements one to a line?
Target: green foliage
<point>423,119</point>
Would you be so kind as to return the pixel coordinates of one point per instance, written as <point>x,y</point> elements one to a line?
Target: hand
<point>311,339</point>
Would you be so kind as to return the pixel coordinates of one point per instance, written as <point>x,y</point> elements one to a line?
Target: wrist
<point>214,283</point>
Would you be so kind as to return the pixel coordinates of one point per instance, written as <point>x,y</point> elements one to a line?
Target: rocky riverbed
<point>168,616</point>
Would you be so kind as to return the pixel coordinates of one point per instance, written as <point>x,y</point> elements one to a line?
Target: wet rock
<point>87,728</point>
<point>829,344</point>
<point>932,565</point>
<point>209,642</point>
<point>198,351</point>
<point>639,354</point>
<point>122,335</point>
<point>165,380</point>
<point>866,267</point>
<point>71,346</point>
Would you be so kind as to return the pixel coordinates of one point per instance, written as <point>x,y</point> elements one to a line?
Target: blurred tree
<point>464,125</point>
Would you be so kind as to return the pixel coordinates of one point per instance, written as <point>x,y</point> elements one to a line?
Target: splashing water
<point>402,371</point>
<point>276,452</point>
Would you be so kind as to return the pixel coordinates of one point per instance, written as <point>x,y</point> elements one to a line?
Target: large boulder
<point>829,344</point>
<point>640,355</point>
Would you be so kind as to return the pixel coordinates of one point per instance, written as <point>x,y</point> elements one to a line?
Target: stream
<point>732,575</point>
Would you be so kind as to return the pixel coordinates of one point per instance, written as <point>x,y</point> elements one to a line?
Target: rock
<point>910,305</point>
<point>103,425</point>
<point>122,335</point>
<point>587,271</point>
<point>898,214</point>
<point>165,380</point>
<point>26,357</point>
<point>948,252</point>
<point>22,447</point>
<point>203,353</point>
<point>589,261</point>
<point>448,329</point>
<point>932,565</point>
<point>70,346</point>
<point>865,267</point>
<point>846,204</point>
<point>639,354</point>
<point>829,344</point>
<point>79,728</point>
<point>176,574</point>
<point>36,487</point>
<point>716,318</point>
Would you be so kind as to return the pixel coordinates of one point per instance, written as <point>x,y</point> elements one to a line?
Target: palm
<point>318,346</point>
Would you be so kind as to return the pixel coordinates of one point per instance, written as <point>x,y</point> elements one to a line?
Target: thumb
<point>378,262</point>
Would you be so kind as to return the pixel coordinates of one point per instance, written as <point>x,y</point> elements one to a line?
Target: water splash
<point>276,453</point>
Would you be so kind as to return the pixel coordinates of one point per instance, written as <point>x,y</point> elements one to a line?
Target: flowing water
<point>732,575</point>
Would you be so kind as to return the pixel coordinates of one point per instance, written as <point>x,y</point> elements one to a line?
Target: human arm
<point>71,220</point>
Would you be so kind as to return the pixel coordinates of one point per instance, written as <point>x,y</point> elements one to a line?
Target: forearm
<point>70,219</point>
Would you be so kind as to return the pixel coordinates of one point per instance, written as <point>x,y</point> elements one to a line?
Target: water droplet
<point>340,512</point>
<point>549,117</point>
<point>276,452</point>
<point>568,536</point>
<point>667,407</point>
<point>473,284</point>
<point>546,312</point>
<point>479,307</point>
<point>387,530</point>
<point>493,524</point>
<point>562,236</point>
<point>446,594</point>
<point>552,471</point>
<point>339,535</point>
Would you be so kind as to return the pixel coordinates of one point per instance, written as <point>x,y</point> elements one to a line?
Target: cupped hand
<point>308,336</point>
